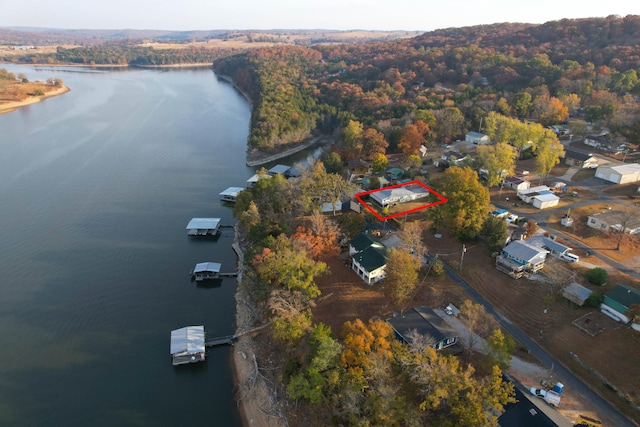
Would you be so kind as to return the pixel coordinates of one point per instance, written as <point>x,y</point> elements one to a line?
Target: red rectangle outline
<point>384,218</point>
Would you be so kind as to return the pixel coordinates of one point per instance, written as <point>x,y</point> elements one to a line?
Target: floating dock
<point>187,345</point>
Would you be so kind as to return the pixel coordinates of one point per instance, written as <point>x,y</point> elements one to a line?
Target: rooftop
<point>520,249</point>
<point>203,223</point>
<point>232,191</point>
<point>189,339</point>
<point>424,321</point>
<point>625,295</point>
<point>207,266</point>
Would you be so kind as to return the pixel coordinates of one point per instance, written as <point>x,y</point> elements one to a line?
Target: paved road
<point>563,374</point>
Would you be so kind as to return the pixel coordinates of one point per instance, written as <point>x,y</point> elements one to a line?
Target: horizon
<point>327,15</point>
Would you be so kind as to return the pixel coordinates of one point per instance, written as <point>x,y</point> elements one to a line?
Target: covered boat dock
<point>187,345</point>
<point>206,271</point>
<point>203,226</point>
<point>230,194</point>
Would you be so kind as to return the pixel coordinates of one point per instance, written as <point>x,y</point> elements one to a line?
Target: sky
<point>384,15</point>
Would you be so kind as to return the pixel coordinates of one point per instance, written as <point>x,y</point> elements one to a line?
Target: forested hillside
<point>453,78</point>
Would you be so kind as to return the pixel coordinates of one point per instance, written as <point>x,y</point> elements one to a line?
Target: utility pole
<point>464,249</point>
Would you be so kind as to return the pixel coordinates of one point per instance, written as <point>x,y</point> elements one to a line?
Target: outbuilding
<point>576,293</point>
<point>617,301</point>
<point>477,138</point>
<point>619,174</point>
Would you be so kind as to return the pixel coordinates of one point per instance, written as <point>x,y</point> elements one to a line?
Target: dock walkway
<point>230,339</point>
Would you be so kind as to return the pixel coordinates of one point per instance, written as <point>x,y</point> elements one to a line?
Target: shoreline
<point>261,158</point>
<point>255,400</point>
<point>14,105</point>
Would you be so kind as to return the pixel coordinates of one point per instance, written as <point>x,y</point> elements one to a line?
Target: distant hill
<point>16,36</point>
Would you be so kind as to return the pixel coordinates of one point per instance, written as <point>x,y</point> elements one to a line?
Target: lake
<point>96,188</point>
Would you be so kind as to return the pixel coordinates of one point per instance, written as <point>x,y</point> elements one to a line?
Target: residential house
<point>452,157</point>
<point>618,300</point>
<point>614,221</point>
<point>601,142</point>
<point>366,182</point>
<point>555,249</point>
<point>425,322</point>
<point>577,158</point>
<point>619,174</point>
<point>576,293</point>
<point>530,411</point>
<point>476,138</point>
<point>394,173</point>
<point>403,194</point>
<point>517,183</point>
<point>519,258</point>
<point>368,258</point>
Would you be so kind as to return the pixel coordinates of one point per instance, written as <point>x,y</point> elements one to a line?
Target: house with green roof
<point>368,258</point>
<point>618,300</point>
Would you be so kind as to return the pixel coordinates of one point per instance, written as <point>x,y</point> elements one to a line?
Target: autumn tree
<point>380,163</point>
<point>401,275</point>
<point>290,314</point>
<point>522,103</point>
<point>353,139</point>
<point>283,265</point>
<point>500,347</point>
<point>548,153</point>
<point>374,143</point>
<point>550,110</point>
<point>327,187</point>
<point>499,160</point>
<point>468,202</point>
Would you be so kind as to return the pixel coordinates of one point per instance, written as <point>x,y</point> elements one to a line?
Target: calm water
<point>96,188</point>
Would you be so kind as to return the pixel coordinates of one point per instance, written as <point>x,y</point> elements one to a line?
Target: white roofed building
<point>203,226</point>
<point>230,194</point>
<point>206,271</point>
<point>392,196</point>
<point>187,345</point>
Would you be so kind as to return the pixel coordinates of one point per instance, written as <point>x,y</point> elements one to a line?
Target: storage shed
<point>576,293</point>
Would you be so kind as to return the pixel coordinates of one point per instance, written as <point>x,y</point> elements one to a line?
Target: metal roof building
<point>187,345</point>
<point>203,226</point>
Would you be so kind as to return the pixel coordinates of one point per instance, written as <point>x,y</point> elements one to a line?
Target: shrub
<point>594,300</point>
<point>597,276</point>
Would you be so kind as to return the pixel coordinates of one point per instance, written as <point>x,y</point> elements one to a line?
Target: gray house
<point>426,322</point>
<point>520,258</point>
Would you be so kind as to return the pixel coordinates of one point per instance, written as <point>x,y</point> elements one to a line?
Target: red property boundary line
<point>441,200</point>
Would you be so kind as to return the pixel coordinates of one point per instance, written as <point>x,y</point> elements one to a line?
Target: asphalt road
<point>603,407</point>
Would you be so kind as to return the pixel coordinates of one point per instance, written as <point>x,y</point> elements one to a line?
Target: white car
<point>511,218</point>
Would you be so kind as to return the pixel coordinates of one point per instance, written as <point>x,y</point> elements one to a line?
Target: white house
<point>392,196</point>
<point>619,174</point>
<point>453,157</point>
<point>577,158</point>
<point>476,138</point>
<point>368,258</point>
<point>516,183</point>
<point>555,249</point>
<point>614,221</point>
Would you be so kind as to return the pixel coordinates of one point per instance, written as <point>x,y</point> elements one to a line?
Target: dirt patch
<point>591,323</point>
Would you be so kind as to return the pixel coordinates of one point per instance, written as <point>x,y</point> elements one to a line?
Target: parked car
<point>512,218</point>
<point>551,397</point>
<point>569,257</point>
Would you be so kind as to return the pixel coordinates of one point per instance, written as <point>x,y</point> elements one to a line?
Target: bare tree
<point>479,323</point>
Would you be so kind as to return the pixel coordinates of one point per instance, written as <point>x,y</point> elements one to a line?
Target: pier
<point>230,339</point>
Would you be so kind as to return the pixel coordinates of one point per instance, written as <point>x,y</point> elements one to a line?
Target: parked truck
<point>549,396</point>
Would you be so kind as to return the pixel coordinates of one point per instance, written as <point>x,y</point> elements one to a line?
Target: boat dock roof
<point>231,192</point>
<point>203,224</point>
<point>207,266</point>
<point>187,345</point>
